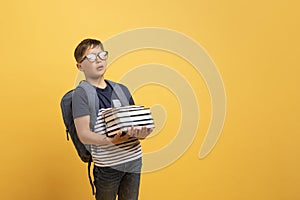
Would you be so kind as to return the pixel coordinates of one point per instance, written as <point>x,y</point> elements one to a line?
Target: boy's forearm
<point>92,138</point>
<point>85,135</point>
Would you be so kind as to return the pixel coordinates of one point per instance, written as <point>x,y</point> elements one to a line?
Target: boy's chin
<point>100,73</point>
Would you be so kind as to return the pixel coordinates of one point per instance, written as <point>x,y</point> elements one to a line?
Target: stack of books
<point>122,118</point>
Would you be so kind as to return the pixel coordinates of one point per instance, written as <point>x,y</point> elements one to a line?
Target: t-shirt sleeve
<point>80,106</point>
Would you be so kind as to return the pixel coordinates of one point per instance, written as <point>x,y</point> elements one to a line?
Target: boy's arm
<point>86,136</point>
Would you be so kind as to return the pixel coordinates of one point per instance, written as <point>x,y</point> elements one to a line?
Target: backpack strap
<point>124,100</point>
<point>89,174</point>
<point>92,100</point>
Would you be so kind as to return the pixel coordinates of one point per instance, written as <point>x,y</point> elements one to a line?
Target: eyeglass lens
<point>92,57</point>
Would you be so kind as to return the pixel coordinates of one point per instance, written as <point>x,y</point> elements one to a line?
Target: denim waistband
<point>133,166</point>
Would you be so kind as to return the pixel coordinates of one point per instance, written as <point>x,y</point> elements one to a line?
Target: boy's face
<point>95,69</point>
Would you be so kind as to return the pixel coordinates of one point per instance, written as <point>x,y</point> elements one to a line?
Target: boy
<point>118,159</point>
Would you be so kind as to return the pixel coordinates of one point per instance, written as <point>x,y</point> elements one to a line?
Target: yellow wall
<point>255,45</point>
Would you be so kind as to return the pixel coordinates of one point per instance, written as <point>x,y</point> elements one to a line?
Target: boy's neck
<point>100,83</point>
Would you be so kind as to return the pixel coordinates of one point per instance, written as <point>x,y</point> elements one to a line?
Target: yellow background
<point>255,45</point>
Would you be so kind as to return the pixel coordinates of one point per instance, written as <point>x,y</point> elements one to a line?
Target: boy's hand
<point>118,138</point>
<point>139,133</point>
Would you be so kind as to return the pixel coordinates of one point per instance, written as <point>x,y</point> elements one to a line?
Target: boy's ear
<point>79,66</point>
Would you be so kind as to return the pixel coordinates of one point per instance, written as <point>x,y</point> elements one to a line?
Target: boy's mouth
<point>100,67</point>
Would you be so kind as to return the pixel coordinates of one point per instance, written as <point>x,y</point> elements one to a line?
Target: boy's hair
<point>84,45</point>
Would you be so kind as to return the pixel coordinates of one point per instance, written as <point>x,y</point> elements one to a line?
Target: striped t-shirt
<point>114,154</point>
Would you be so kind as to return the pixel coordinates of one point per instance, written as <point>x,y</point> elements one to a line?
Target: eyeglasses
<point>92,57</point>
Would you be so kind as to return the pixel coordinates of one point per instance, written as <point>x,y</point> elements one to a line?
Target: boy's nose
<point>98,59</point>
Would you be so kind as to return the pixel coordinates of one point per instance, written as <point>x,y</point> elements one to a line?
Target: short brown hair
<point>85,45</point>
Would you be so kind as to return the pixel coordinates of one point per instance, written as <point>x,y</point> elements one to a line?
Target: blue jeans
<point>122,180</point>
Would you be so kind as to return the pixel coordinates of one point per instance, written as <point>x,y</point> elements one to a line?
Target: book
<point>121,118</point>
<point>127,114</point>
<point>124,130</point>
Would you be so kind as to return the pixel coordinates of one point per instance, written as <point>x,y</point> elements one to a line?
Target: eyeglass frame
<point>97,56</point>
